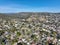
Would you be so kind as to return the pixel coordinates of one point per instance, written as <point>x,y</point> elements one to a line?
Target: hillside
<point>28,28</point>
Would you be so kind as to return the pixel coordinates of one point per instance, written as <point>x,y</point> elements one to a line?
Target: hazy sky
<point>8,6</point>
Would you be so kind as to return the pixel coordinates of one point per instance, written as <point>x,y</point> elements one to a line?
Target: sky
<point>13,6</point>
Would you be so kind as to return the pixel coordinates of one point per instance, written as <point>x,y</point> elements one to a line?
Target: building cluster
<point>34,30</point>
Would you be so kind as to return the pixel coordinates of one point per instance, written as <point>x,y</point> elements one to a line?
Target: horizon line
<point>29,12</point>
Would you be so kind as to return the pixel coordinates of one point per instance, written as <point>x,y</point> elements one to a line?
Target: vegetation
<point>29,28</point>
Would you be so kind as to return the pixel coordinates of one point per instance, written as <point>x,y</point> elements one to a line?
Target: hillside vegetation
<point>29,28</point>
